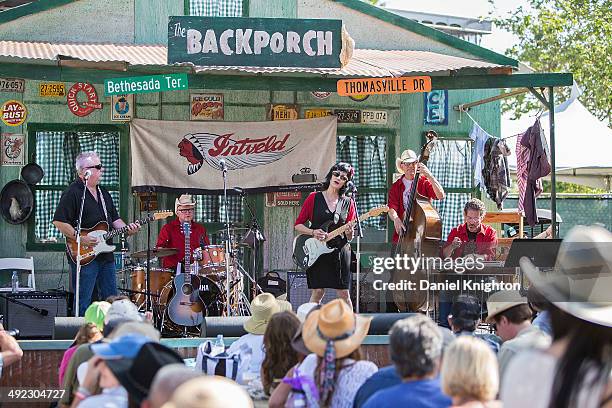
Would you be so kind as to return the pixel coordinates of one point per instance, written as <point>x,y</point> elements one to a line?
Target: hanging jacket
<point>495,171</point>
<point>538,166</point>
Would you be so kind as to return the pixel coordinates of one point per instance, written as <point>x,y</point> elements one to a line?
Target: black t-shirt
<point>70,204</point>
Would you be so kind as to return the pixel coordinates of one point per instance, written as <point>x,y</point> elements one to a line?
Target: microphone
<point>350,188</point>
<point>222,164</point>
<point>12,332</point>
<point>87,174</point>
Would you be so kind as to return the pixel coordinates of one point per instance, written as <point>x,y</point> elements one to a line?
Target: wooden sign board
<point>284,199</point>
<point>383,86</point>
<point>317,113</point>
<point>283,112</point>
<point>373,117</point>
<point>254,42</point>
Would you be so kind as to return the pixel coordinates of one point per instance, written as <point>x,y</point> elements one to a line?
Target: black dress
<point>330,270</point>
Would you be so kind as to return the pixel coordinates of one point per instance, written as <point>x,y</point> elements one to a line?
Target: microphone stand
<point>358,255</point>
<point>228,243</point>
<point>78,257</point>
<point>257,237</point>
<point>148,307</point>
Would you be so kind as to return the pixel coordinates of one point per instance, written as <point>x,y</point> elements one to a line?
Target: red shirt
<point>396,196</point>
<point>486,240</point>
<point>308,208</point>
<point>171,236</point>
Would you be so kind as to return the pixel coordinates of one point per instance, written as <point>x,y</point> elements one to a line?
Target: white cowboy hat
<point>185,200</point>
<point>503,300</point>
<point>262,308</point>
<point>407,156</point>
<point>335,321</point>
<point>581,281</point>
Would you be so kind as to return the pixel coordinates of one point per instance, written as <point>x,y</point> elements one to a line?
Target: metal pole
<point>553,183</point>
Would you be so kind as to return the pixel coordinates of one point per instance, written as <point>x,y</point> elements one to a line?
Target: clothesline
<point>476,123</point>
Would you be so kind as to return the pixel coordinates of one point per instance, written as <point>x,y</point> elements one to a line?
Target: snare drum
<point>213,260</point>
<point>159,278</point>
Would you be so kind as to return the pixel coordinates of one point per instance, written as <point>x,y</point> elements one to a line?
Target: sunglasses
<point>186,210</point>
<point>97,166</point>
<point>339,175</point>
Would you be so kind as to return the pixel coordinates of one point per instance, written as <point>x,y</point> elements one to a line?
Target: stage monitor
<point>542,252</point>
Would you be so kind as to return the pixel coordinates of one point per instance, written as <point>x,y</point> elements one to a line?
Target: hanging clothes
<point>538,166</point>
<point>480,137</point>
<point>495,172</point>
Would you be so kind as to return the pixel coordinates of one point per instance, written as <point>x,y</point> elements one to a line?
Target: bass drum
<point>210,293</point>
<point>159,279</point>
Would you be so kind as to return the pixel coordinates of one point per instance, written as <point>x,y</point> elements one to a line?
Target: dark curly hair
<point>340,166</point>
<point>280,356</point>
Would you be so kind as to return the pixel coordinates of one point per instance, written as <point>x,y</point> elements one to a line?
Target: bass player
<point>329,207</point>
<point>98,206</point>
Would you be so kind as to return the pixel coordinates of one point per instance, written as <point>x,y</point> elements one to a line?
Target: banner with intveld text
<point>259,156</point>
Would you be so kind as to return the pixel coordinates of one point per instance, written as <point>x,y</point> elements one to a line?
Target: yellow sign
<point>383,86</point>
<point>283,112</point>
<point>317,113</point>
<point>51,89</point>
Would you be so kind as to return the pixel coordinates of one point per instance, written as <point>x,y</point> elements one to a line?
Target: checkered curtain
<point>450,162</point>
<point>215,8</point>
<point>368,155</point>
<point>56,153</point>
<point>210,208</point>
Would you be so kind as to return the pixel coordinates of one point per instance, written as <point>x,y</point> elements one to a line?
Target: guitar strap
<point>104,207</point>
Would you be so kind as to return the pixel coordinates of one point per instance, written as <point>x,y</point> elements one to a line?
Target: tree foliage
<point>565,36</point>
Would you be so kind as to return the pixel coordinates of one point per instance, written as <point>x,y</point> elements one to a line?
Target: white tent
<point>583,144</point>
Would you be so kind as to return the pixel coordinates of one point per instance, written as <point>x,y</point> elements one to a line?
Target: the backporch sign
<point>255,42</point>
<point>383,86</point>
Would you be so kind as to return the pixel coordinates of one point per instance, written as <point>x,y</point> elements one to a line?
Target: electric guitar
<point>307,249</point>
<point>185,308</point>
<point>101,231</point>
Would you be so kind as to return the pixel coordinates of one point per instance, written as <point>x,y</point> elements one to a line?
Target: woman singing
<point>330,270</point>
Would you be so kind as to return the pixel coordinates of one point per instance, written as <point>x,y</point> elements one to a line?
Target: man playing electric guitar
<point>98,206</point>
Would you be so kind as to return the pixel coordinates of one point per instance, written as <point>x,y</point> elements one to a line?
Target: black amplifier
<point>32,313</point>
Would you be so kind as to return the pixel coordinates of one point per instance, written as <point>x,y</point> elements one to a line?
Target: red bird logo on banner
<point>198,148</point>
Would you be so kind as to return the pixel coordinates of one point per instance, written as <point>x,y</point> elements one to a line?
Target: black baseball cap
<point>465,310</point>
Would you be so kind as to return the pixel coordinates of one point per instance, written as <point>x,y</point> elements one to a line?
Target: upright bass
<point>420,238</point>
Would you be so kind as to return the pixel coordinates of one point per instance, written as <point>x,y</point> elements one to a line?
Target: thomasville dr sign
<point>383,86</point>
<point>258,42</point>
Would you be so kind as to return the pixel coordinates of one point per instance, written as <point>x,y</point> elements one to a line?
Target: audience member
<point>10,352</point>
<point>416,347</point>
<point>99,373</point>
<point>279,355</point>
<point>510,314</point>
<point>464,319</point>
<point>575,370</point>
<point>263,307</point>
<point>469,373</point>
<point>96,313</point>
<point>88,333</point>
<point>209,392</point>
<point>539,305</point>
<point>165,382</point>
<point>334,334</point>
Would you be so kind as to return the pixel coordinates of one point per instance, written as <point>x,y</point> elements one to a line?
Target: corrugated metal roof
<point>368,63</point>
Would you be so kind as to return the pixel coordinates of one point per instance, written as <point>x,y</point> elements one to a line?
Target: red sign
<point>83,108</point>
<point>13,113</point>
<point>284,199</point>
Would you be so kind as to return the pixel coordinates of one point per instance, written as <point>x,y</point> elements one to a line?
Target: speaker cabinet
<point>298,292</point>
<point>32,323</point>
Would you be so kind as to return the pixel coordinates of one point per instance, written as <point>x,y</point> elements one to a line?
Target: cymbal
<point>155,253</point>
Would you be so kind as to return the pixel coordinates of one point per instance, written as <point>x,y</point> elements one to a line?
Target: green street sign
<point>145,84</point>
<point>255,42</point>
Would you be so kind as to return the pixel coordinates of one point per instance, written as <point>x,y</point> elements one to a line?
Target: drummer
<point>171,234</point>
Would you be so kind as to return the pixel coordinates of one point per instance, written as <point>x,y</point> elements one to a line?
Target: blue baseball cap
<point>122,347</point>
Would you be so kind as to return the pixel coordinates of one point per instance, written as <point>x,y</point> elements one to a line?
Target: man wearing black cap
<point>464,318</point>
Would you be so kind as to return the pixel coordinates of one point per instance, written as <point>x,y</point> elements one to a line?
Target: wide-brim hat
<point>262,308</point>
<point>16,202</point>
<point>580,283</point>
<point>408,156</point>
<point>503,300</point>
<point>335,321</point>
<point>185,200</point>
<point>136,375</point>
<point>209,391</point>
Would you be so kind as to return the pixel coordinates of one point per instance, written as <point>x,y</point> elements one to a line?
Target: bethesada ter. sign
<point>259,42</point>
<point>145,84</point>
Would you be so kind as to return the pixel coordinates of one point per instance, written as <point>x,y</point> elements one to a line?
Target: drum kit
<point>208,263</point>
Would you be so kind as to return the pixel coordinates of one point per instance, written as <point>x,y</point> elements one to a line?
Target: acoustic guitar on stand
<point>307,249</point>
<point>102,233</point>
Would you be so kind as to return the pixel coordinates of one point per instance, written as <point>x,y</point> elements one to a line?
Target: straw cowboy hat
<point>407,156</point>
<point>262,308</point>
<point>209,392</point>
<point>336,322</point>
<point>185,200</point>
<point>581,280</point>
<point>503,300</point>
